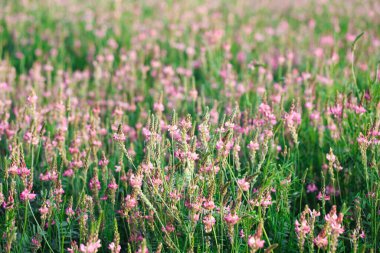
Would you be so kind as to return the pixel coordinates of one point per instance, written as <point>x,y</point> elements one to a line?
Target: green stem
<point>25,216</point>
<point>38,225</point>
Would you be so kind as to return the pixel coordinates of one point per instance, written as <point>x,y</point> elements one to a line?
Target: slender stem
<point>38,225</point>
<point>25,216</point>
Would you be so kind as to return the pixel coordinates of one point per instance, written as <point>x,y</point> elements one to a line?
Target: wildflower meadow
<point>189,126</point>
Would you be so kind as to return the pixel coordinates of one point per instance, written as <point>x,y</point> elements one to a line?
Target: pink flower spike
<point>27,195</point>
<point>90,247</point>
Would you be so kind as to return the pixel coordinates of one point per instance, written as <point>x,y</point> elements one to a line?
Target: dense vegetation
<point>189,126</point>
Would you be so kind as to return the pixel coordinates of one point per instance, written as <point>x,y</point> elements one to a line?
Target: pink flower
<point>321,240</point>
<point>192,156</point>
<point>36,243</point>
<point>119,137</point>
<point>302,228</point>
<point>91,247</point>
<point>253,146</point>
<point>13,170</point>
<point>158,107</point>
<point>175,195</point>
<point>130,202</point>
<point>168,228</point>
<point>112,186</point>
<point>94,183</point>
<point>27,195</point>
<point>312,188</point>
<point>267,201</point>
<point>314,213</point>
<point>113,248</point>
<point>231,219</point>
<point>255,243</point>
<point>219,144</point>
<point>32,99</point>
<point>146,133</point>
<point>50,175</point>
<point>209,205</point>
<point>68,173</point>
<point>195,217</point>
<point>363,140</point>
<point>135,181</point>
<point>103,162</point>
<point>336,228</point>
<point>293,118</point>
<point>335,221</point>
<point>320,196</point>
<point>243,184</point>
<point>69,211</point>
<point>208,222</point>
<point>315,115</point>
<point>330,157</point>
<point>266,111</point>
<point>44,210</point>
<point>23,171</point>
<point>173,129</point>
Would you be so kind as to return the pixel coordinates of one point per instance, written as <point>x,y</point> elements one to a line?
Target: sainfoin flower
<point>231,219</point>
<point>69,211</point>
<point>94,183</point>
<point>90,247</point>
<point>27,195</point>
<point>254,241</point>
<point>302,227</point>
<point>208,222</point>
<point>130,202</point>
<point>330,157</point>
<point>209,205</point>
<point>119,137</point>
<point>112,185</point>
<point>312,188</point>
<point>113,248</point>
<point>321,240</point>
<point>243,184</point>
<point>253,146</point>
<point>135,181</point>
<point>267,200</point>
<point>293,118</point>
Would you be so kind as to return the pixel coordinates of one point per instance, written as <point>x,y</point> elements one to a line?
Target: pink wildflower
<point>90,247</point>
<point>27,195</point>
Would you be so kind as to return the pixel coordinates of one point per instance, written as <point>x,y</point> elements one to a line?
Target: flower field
<point>189,126</point>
